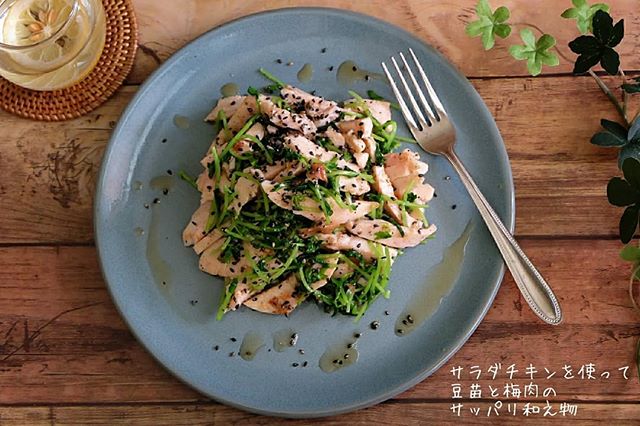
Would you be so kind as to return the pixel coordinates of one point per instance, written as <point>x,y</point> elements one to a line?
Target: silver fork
<point>436,135</point>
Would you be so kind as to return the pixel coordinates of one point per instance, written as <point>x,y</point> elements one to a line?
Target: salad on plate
<point>305,198</point>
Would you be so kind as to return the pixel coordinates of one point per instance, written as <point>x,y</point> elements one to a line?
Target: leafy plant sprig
<point>599,37</point>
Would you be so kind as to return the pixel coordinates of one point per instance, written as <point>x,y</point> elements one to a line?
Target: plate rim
<point>98,212</point>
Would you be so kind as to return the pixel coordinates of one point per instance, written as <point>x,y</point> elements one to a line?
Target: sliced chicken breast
<point>353,185</point>
<point>308,149</point>
<point>278,300</point>
<point>335,137</point>
<point>194,231</point>
<point>386,233</point>
<point>287,119</point>
<point>229,105</point>
<point>380,110</point>
<point>383,186</point>
<point>321,111</point>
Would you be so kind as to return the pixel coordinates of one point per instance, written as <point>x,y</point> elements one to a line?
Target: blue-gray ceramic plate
<point>138,227</point>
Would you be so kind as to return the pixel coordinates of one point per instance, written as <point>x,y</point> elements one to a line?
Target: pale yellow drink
<point>50,44</point>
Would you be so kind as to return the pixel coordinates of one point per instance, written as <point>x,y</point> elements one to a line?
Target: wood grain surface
<point>67,358</point>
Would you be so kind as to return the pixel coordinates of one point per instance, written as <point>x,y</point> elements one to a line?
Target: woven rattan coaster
<point>109,74</point>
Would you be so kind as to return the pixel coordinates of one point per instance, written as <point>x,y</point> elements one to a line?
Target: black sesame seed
<point>453,207</point>
<point>279,61</point>
<point>346,356</point>
<point>349,345</point>
<point>323,50</point>
<point>404,321</point>
<point>367,78</point>
<point>435,195</point>
<point>355,68</point>
<point>335,361</point>
<point>410,319</point>
<point>304,364</point>
<point>295,364</point>
<point>375,325</point>
<point>231,354</point>
<point>301,351</point>
<point>339,362</point>
<point>165,191</point>
<point>331,68</point>
<point>146,206</point>
<point>164,283</point>
<point>357,335</point>
<point>386,312</point>
<point>400,331</point>
<point>156,200</point>
<point>233,339</point>
<point>169,172</point>
<point>216,348</point>
<point>164,140</point>
<point>247,353</point>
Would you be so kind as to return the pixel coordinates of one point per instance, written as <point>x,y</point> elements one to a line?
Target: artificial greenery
<point>583,13</point>
<point>599,47</point>
<point>535,52</point>
<point>596,44</point>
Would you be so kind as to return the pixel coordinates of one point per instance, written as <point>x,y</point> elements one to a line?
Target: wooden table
<point>66,356</point>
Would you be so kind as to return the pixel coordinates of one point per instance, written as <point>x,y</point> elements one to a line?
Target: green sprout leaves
<point>535,52</point>
<point>617,136</point>
<point>599,46</point>
<point>583,13</point>
<point>632,87</point>
<point>489,24</point>
<point>626,193</point>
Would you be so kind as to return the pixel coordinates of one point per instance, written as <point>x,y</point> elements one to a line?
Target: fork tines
<point>429,104</point>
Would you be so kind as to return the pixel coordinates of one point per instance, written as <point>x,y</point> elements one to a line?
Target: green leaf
<point>631,171</point>
<point>583,14</point>
<point>585,44</point>
<point>535,52</point>
<point>545,42</point>
<point>630,150</point>
<point>534,65</point>
<point>570,13</point>
<point>607,139</point>
<point>501,14</point>
<point>528,38</point>
<point>475,28</point>
<point>489,24</point>
<point>634,130</point>
<point>620,193</point>
<point>483,8</point>
<point>617,34</point>
<point>549,59</point>
<point>502,30</point>
<point>616,128</point>
<point>630,253</point>
<point>519,52</point>
<point>585,62</point>
<point>631,88</point>
<point>629,223</point>
<point>610,61</point>
<point>602,26</point>
<point>488,40</point>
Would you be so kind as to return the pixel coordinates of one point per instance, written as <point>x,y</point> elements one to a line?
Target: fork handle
<point>532,285</point>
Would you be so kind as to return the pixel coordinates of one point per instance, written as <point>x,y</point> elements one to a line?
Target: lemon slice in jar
<point>52,43</point>
<point>38,21</point>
